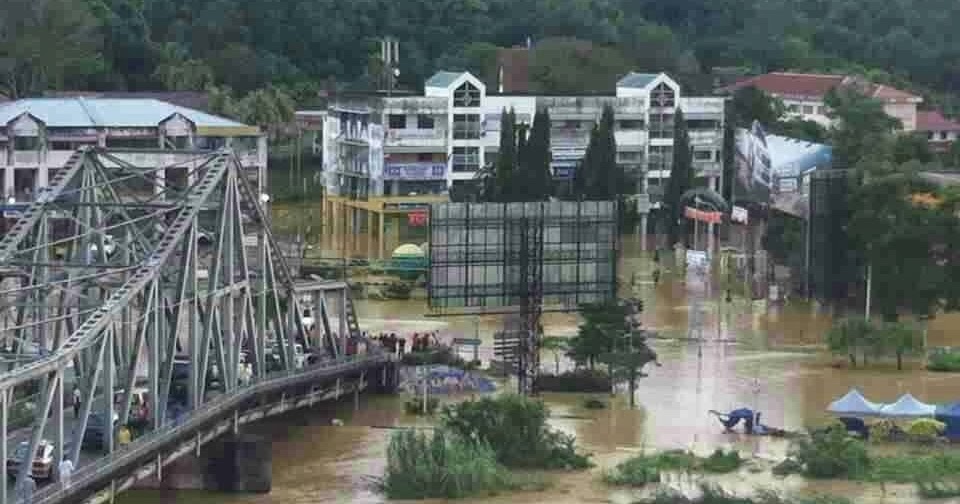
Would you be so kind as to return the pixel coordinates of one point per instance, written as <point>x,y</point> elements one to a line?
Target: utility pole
<point>866,310</point>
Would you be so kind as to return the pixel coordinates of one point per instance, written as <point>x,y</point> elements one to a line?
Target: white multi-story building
<point>405,145</point>
<point>38,135</point>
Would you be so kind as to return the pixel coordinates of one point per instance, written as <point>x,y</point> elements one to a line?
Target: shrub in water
<point>722,462</point>
<point>885,430</point>
<point>830,453</point>
<point>440,466</point>
<point>925,430</point>
<point>583,381</point>
<point>594,403</point>
<point>636,471</point>
<point>516,429</point>
<point>944,360</point>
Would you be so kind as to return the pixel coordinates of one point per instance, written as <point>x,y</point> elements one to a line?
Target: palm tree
<point>556,345</point>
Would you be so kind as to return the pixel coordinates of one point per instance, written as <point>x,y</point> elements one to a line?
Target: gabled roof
<point>106,112</point>
<point>789,84</point>
<point>637,80</point>
<point>443,79</point>
<point>817,85</point>
<point>933,120</point>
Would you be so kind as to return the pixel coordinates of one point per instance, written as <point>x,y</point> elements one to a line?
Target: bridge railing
<point>96,470</point>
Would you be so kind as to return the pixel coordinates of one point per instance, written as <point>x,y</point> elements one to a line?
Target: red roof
<point>515,65</point>
<point>790,84</point>
<point>932,120</point>
<point>816,86</point>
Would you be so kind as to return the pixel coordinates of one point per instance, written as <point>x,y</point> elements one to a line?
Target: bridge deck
<point>90,476</point>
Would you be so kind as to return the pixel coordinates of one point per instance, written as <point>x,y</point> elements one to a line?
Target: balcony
<point>631,137</point>
<point>706,137</point>
<point>413,138</point>
<point>702,105</point>
<point>415,171</point>
<point>467,131</point>
<point>569,138</point>
<point>26,158</point>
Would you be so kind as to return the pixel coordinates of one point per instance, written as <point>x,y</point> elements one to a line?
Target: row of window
<point>793,108</point>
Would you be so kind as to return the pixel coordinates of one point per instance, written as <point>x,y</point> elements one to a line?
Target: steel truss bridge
<point>121,282</point>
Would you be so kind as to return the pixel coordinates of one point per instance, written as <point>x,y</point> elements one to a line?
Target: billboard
<point>752,164</point>
<point>489,256</point>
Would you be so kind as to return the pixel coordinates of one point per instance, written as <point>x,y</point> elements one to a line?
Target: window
<point>703,124</point>
<point>209,143</point>
<point>466,96</point>
<point>466,126</point>
<point>821,110</point>
<point>661,157</point>
<point>26,143</point>
<point>930,135</point>
<point>466,159</point>
<point>397,121</point>
<point>703,155</point>
<point>793,108</point>
<point>572,124</point>
<point>661,125</point>
<point>807,109</point>
<point>631,125</point>
<point>662,96</point>
<point>424,122</point>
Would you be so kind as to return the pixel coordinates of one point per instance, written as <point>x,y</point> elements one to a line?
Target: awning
<point>854,404</point>
<point>908,407</point>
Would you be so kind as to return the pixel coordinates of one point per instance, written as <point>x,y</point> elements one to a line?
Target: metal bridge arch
<point>114,278</point>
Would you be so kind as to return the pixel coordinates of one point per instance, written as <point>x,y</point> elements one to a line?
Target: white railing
<point>705,136</point>
<point>701,104</point>
<point>416,134</point>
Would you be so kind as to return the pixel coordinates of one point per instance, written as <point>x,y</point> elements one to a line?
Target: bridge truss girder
<point>102,286</point>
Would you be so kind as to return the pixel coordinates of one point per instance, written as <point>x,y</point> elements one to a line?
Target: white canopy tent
<point>854,404</point>
<point>908,407</point>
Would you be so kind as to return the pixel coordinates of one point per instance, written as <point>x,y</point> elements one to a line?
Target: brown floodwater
<point>741,355</point>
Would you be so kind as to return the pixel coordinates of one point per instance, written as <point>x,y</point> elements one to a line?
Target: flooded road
<point>747,357</point>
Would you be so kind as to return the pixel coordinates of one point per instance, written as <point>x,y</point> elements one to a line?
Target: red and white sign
<point>417,218</point>
<point>702,215</point>
<point>739,214</point>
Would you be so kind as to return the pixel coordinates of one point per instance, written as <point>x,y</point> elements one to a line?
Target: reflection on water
<point>745,358</point>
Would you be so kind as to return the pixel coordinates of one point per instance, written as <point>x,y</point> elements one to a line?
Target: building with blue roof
<point>38,135</point>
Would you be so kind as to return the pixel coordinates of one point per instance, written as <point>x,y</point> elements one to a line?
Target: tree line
<point>579,46</point>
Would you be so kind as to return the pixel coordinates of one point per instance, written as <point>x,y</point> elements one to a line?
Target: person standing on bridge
<point>76,402</point>
<point>65,471</point>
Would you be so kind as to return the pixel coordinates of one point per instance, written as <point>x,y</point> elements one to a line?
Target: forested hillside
<point>247,44</point>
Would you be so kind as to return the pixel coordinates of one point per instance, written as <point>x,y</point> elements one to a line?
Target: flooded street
<point>747,358</point>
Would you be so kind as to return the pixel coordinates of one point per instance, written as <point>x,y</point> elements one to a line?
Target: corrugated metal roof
<point>637,80</point>
<point>106,112</point>
<point>443,79</point>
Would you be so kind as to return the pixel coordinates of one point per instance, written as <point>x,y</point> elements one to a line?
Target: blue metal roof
<point>105,112</point>
<point>637,80</point>
<point>443,79</point>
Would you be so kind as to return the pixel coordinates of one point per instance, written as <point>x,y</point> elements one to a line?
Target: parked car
<point>42,467</point>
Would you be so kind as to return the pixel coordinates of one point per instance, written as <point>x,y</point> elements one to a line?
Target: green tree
<point>911,147</point>
<point>177,72</point>
<point>506,163</point>
<point>534,173</point>
<point>862,132</point>
<point>901,339</point>
<point>849,337</point>
<point>903,226</point>
<point>751,104</point>
<point>681,178</point>
<point>44,43</point>
<point>628,359</point>
<point>567,65</point>
<point>599,177</point>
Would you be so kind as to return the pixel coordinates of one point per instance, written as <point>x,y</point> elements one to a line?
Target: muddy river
<point>746,356</point>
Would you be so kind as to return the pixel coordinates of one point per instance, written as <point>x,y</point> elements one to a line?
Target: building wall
<point>30,151</point>
<point>412,149</point>
<point>905,112</point>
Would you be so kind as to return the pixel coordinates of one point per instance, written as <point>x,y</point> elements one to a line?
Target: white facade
<point>37,136</point>
<point>432,142</point>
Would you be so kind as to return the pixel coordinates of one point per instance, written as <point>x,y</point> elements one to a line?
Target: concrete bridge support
<point>243,463</point>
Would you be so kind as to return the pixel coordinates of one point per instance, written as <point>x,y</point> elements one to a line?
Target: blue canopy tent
<point>907,407</point>
<point>854,405</point>
<point>949,414</point>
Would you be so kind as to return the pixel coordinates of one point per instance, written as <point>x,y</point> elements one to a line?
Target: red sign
<point>417,218</point>
<point>702,215</point>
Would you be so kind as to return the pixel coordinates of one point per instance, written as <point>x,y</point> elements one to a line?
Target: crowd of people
<point>397,344</point>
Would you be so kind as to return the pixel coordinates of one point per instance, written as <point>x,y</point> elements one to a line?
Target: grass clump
<point>593,403</point>
<point>938,490</point>
<point>908,468</point>
<point>830,453</point>
<point>515,428</point>
<point>414,406</point>
<point>645,469</point>
<point>944,361</point>
<point>440,466</point>
<point>582,381</point>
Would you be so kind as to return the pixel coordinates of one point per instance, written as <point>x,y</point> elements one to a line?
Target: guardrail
<point>99,469</point>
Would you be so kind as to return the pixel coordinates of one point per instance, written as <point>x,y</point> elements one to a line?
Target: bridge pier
<point>244,464</point>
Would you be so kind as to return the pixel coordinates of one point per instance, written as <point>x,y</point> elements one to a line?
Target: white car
<point>307,320</point>
<point>109,245</point>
